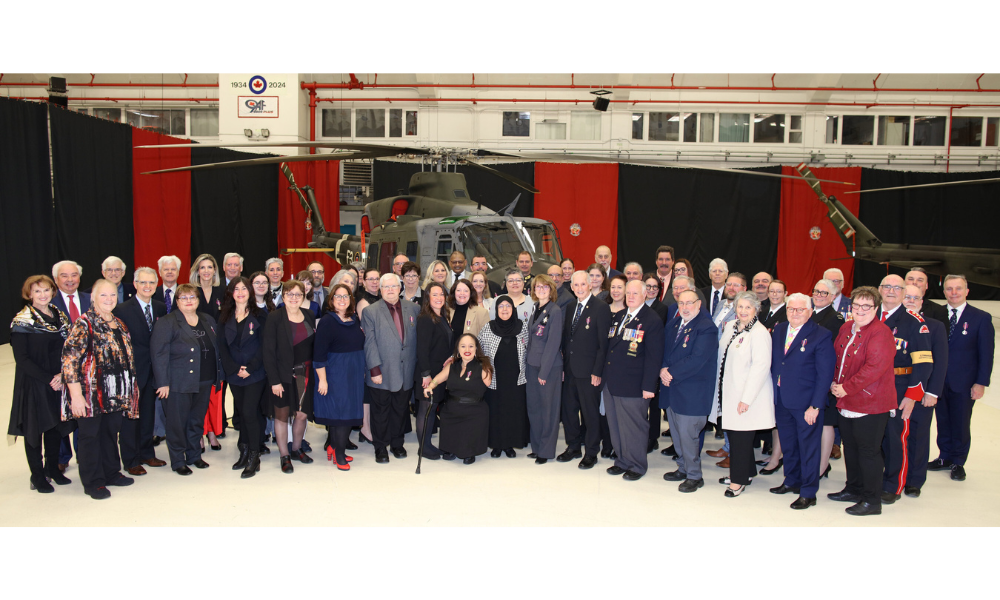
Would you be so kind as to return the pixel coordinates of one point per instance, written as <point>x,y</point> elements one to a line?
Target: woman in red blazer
<point>865,391</point>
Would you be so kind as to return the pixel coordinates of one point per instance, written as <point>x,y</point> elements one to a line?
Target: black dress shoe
<point>689,485</point>
<point>587,462</point>
<point>958,472</point>
<point>631,476</point>
<point>446,456</point>
<point>889,497</point>
<point>781,462</point>
<point>784,489</point>
<point>615,470</point>
<point>99,494</point>
<point>287,468</point>
<point>912,491</point>
<point>606,453</point>
<point>510,453</point>
<point>122,481</point>
<point>351,445</point>
<point>652,445</point>
<point>532,455</point>
<point>569,455</point>
<point>718,435</point>
<point>803,503</point>
<point>431,456</point>
<point>185,470</point>
<point>301,456</point>
<point>614,455</point>
<point>157,439</point>
<point>541,461</point>
<point>939,464</point>
<point>469,461</point>
<point>381,456</point>
<point>674,476</point>
<point>863,509</point>
<point>666,433</point>
<point>201,464</point>
<point>399,452</point>
<point>40,485</point>
<point>58,478</point>
<point>669,451</point>
<point>844,496</point>
<point>496,453</point>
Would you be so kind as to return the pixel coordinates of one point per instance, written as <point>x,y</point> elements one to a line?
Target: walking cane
<point>420,450</point>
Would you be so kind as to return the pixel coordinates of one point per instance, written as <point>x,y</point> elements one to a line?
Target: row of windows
<point>204,122</point>
<point>867,130</point>
<point>368,122</point>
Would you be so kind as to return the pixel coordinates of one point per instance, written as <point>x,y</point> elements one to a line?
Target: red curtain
<point>802,259</point>
<point>582,194</point>
<point>324,178</point>
<point>161,204</point>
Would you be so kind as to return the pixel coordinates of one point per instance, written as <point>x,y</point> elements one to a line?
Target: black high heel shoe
<point>781,462</point>
<point>362,438</point>
<point>213,446</point>
<point>351,445</point>
<point>826,473</point>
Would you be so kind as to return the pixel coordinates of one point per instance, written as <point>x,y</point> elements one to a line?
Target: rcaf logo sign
<point>574,229</point>
<point>815,233</point>
<point>258,107</point>
<point>258,84</point>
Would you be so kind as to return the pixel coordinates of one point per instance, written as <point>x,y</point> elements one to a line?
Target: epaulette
<point>916,314</point>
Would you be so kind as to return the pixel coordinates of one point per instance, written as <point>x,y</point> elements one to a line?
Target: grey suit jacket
<point>383,349</point>
<point>545,341</point>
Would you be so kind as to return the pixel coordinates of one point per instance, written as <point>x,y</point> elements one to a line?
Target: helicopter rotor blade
<point>927,185</point>
<point>271,160</point>
<point>389,150</point>
<point>518,182</point>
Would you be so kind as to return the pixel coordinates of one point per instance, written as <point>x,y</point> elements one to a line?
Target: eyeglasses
<point>820,294</point>
<point>371,279</point>
<point>390,286</point>
<point>912,298</point>
<point>862,307</point>
<point>894,288</point>
<point>399,264</point>
<point>837,281</point>
<point>318,272</point>
<point>187,298</point>
<point>114,270</point>
<point>541,287</point>
<point>293,295</point>
<point>688,302</point>
<point>796,311</point>
<point>411,275</point>
<point>652,287</point>
<point>514,280</point>
<point>341,297</point>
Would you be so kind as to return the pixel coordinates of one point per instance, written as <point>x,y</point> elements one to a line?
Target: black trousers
<point>863,455</point>
<point>185,414</point>
<point>247,401</point>
<point>654,415</point>
<point>223,401</point>
<point>136,437</point>
<point>387,413</point>
<point>33,448</point>
<point>97,449</point>
<point>741,460</point>
<point>580,399</point>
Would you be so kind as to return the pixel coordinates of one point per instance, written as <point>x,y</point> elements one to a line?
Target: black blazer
<point>434,346</point>
<point>130,312</point>
<point>278,360</point>
<point>213,307</point>
<point>829,318</point>
<point>933,310</point>
<point>661,309</point>
<point>585,349</point>
<point>247,351</point>
<point>176,362</point>
<point>779,317</point>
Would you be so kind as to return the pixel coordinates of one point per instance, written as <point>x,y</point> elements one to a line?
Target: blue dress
<point>340,349</point>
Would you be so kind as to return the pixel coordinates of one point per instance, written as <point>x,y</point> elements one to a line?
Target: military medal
<point>633,346</point>
<point>468,324</point>
<point>738,342</point>
<point>685,344</point>
<point>965,329</point>
<point>250,325</point>
<point>468,375</point>
<point>803,348</point>
<point>588,323</point>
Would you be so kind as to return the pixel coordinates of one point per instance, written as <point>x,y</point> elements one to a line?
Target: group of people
<point>497,368</point>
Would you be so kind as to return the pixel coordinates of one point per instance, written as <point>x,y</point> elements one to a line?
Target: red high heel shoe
<point>329,453</point>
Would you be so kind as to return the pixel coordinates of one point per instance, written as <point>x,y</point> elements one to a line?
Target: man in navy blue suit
<point>841,303</point>
<point>74,303</point>
<point>919,447</point>
<point>970,353</point>
<point>688,374</point>
<point>113,269</point>
<point>802,364</point>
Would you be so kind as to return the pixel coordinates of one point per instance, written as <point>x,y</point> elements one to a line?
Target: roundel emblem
<point>815,233</point>
<point>258,84</point>
<point>574,229</point>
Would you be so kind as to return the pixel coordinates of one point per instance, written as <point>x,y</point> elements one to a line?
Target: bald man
<point>602,256</point>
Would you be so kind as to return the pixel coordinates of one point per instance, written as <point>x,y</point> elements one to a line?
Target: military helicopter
<point>979,265</point>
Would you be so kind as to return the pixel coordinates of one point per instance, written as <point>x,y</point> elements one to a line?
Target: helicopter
<point>979,265</point>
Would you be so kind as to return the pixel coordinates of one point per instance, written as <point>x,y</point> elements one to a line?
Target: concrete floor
<point>492,492</point>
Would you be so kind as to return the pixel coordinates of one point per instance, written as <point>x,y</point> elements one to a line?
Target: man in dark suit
<point>391,357</point>
<point>318,272</point>
<point>587,322</point>
<point>759,285</point>
<point>139,314</point>
<point>841,303</point>
<point>920,420</point>
<point>232,267</point>
<point>664,273</point>
<point>823,313</point>
<point>715,292</point>
<point>802,364</point>
<point>913,363</point>
<point>971,341</point>
<point>635,352</point>
<point>113,269</point>
<point>565,296</point>
<point>74,303</point>
<point>602,256</point>
<point>170,268</point>
<point>479,264</point>
<point>930,310</point>
<point>689,372</point>
<point>681,283</point>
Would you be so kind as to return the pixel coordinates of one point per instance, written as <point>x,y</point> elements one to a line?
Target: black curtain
<point>393,178</point>
<point>92,175</point>
<point>28,232</point>
<point>702,214</point>
<point>961,215</point>
<point>234,210</point>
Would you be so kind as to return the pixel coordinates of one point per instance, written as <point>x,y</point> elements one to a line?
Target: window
<point>205,122</point>
<point>929,131</point>
<point>395,122</point>
<point>586,125</point>
<point>832,125</point>
<point>769,129</point>
<point>369,122</point>
<point>664,126</point>
<point>516,124</point>
<point>444,244</point>
<point>967,131</point>
<point>734,127</point>
<point>707,127</point>
<point>550,130</point>
<point>638,121</point>
<point>111,114</point>
<point>169,122</point>
<point>691,127</point>
<point>336,122</point>
<point>893,131</point>
<point>858,130</point>
<point>795,129</point>
<point>411,122</point>
<point>991,131</point>
<point>84,111</point>
<point>411,251</point>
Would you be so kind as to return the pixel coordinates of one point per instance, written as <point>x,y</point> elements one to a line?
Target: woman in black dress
<point>505,341</point>
<point>465,418</point>
<point>37,334</point>
<point>288,352</point>
<point>434,346</point>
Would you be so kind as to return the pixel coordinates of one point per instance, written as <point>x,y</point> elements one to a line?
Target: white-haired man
<point>715,292</point>
<point>169,268</point>
<point>113,269</point>
<point>841,303</point>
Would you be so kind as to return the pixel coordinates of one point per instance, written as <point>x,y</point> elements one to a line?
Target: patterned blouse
<point>491,343</point>
<point>100,359</point>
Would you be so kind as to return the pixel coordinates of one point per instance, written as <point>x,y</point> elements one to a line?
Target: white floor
<point>492,492</point>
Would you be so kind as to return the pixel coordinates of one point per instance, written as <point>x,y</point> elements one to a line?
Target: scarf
<point>505,328</point>
<point>30,320</point>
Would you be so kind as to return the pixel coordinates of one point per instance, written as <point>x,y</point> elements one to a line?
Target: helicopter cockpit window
<point>460,194</point>
<point>444,245</point>
<point>498,242</point>
<point>542,242</point>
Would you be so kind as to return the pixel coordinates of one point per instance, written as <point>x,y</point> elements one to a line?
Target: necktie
<point>715,301</point>
<point>789,337</point>
<point>166,299</point>
<point>149,318</point>
<point>885,316</point>
<point>663,289</point>
<point>74,312</point>
<point>680,330</point>
<point>953,322</point>
<point>397,317</point>
<point>576,317</point>
<point>625,322</point>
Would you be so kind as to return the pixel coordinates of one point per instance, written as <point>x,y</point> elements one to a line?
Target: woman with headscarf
<point>505,343</point>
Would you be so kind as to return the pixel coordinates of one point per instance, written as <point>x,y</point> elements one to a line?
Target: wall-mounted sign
<point>257,107</point>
